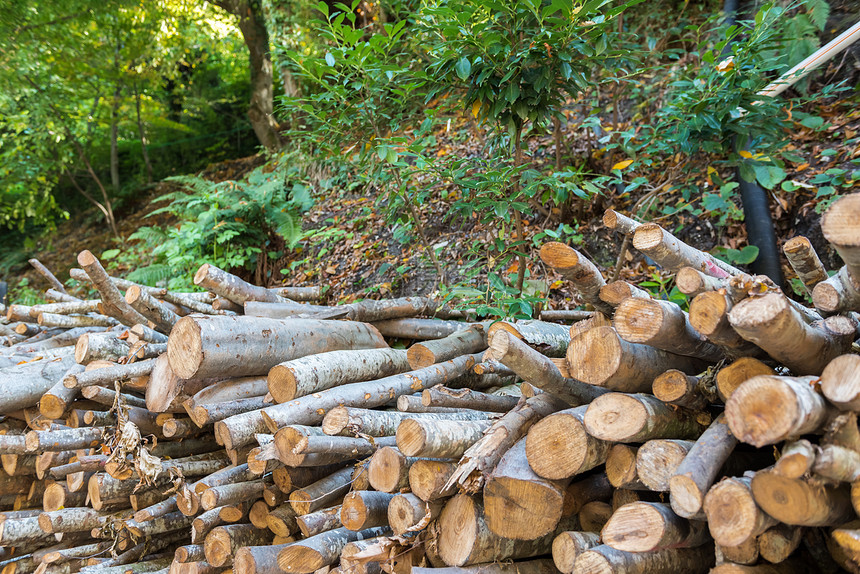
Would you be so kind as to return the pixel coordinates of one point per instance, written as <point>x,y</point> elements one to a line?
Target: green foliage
<point>229,224</point>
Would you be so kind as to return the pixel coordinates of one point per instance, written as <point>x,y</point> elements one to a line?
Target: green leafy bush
<point>230,224</point>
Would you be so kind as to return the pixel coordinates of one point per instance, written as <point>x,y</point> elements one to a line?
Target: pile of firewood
<point>244,429</point>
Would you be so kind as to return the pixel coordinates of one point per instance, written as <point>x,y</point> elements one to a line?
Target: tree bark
<point>318,372</point>
<point>471,340</point>
<point>604,559</point>
<point>316,522</point>
<point>340,420</point>
<point>601,357</point>
<point>577,269</point>
<point>619,417</point>
<point>421,329</point>
<point>467,399</point>
<point>149,307</point>
<point>311,554</point>
<point>768,409</point>
<point>709,315</point>
<point>21,386</point>
<point>438,438</point>
<point>321,493</point>
<point>558,447</point>
<point>549,339</point>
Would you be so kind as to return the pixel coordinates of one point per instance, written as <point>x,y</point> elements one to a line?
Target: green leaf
<point>110,254</point>
<point>463,68</point>
<point>768,175</point>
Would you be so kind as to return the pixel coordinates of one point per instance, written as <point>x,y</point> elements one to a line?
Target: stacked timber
<point>251,430</point>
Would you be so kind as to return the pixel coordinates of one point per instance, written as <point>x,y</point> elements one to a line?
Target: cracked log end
<point>602,344</point>
<point>638,320</point>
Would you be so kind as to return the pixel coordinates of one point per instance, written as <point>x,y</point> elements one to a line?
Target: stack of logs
<point>245,430</point>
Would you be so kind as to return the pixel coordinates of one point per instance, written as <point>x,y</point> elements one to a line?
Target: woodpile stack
<point>251,430</point>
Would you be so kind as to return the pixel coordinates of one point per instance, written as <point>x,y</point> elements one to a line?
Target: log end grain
<point>557,446</point>
<point>687,498</point>
<point>839,222</point>
<point>615,415</point>
<point>299,558</point>
<point>602,344</point>
<point>458,530</point>
<point>354,512</point>
<point>217,547</point>
<point>201,274</point>
<point>559,255</point>
<point>672,385</point>
<point>522,509</point>
<point>568,546</point>
<point>635,527</point>
<point>185,348</point>
<point>732,376</point>
<point>386,468</point>
<point>826,297</point>
<point>52,406</point>
<point>282,383</point>
<point>708,312</point>
<point>638,320</point>
<point>647,237</point>
<point>688,280</point>
<point>762,410</point>
<point>840,381</point>
<point>411,437</point>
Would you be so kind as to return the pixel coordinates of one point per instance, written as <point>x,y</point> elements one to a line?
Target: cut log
<point>778,543</point>
<point>538,370</point>
<point>709,315</point>
<point>207,414</point>
<point>54,320</point>
<point>408,513</point>
<point>225,494</point>
<point>549,339</point>
<point>618,222</point>
<point>363,509</point>
<point>657,460</point>
<point>773,324</point>
<point>839,224</point>
<point>604,559</point>
<point>114,301</point>
<point>428,479</point>
<point>166,391</point>
<point>388,470</point>
<point>108,375</point>
<point>189,553</point>
<point>730,377</point>
<point>207,346</point>
<point>239,430</point>
<point>481,458</point>
<point>311,554</point>
<point>796,459</point>
<point>462,536</point>
<point>288,479</point>
<point>695,475</point>
<point>802,503</point>
<point>837,463</point>
<point>223,542</point>
<point>677,388</point>
<point>649,526</point>
<point>321,493</point>
<point>617,291</point>
<point>519,504</point>
<point>467,399</point>
<point>768,409</point>
<point>663,325</point>
<point>619,417</point>
<point>57,496</point>
<point>746,553</point>
<point>672,254</point>
<point>565,315</point>
<point>58,399</point>
<point>107,397</point>
<point>594,515</point>
<point>471,340</point>
<point>577,269</point>
<point>47,275</point>
<point>231,287</point>
<point>223,304</point>
<point>412,404</point>
<point>558,446</point>
<point>22,385</point>
<point>312,523</point>
<point>804,261</point>
<point>314,373</point>
<point>258,559</point>
<point>421,329</point>
<point>569,545</point>
<point>692,282</point>
<point>601,357</point>
<point>840,382</point>
<point>63,440</point>
<point>368,422</point>
<point>438,438</point>
<point>838,293</point>
<point>148,306</point>
<point>72,520</point>
<point>621,468</point>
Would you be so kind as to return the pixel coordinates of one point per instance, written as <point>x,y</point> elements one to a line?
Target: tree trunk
<point>340,420</point>
<point>604,559</point>
<point>438,438</point>
<point>260,110</point>
<point>650,526</point>
<point>408,513</point>
<point>471,340</point>
<point>315,523</point>
<point>692,282</point>
<point>619,417</point>
<point>558,447</point>
<point>114,135</point>
<point>314,373</point>
<point>363,509</point>
<point>601,357</point>
<point>569,545</point>
<point>768,409</point>
<point>142,135</point>
<point>207,346</point>
<point>709,315</point>
<point>730,377</point>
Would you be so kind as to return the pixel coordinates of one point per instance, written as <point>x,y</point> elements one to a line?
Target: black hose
<point>760,229</point>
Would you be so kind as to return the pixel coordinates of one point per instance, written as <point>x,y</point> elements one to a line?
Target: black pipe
<point>757,219</point>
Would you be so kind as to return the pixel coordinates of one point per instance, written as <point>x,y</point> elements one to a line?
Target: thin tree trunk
<point>142,135</point>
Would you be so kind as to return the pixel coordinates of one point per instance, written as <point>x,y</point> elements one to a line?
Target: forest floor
<point>353,249</point>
